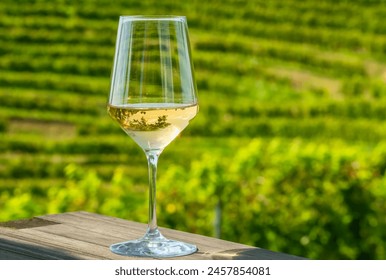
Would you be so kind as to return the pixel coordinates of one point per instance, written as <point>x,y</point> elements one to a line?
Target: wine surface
<point>153,125</point>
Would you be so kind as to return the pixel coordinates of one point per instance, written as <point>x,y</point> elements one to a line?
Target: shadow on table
<point>252,254</point>
<point>14,250</point>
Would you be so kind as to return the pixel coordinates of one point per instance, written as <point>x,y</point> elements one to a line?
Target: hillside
<point>289,138</point>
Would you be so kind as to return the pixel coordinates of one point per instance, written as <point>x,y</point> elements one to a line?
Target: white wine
<point>153,125</point>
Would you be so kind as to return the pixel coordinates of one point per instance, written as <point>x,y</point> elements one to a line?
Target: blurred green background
<point>287,152</point>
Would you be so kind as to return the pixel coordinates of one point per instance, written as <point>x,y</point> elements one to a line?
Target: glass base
<point>153,245</point>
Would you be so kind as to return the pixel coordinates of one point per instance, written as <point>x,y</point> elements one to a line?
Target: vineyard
<point>287,153</point>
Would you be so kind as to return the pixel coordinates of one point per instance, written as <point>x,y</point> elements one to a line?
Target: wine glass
<point>153,98</point>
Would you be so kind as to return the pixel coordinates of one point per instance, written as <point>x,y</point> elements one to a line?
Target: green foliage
<point>82,189</point>
<point>3,124</point>
<point>299,197</point>
<point>287,151</point>
<point>296,197</point>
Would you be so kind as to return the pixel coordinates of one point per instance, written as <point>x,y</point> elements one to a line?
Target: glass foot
<point>153,245</point>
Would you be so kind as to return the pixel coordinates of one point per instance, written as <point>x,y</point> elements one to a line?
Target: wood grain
<point>83,235</point>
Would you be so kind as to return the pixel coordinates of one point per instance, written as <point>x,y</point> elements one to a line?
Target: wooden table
<point>83,235</point>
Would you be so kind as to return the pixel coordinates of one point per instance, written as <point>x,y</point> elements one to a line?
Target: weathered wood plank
<point>83,235</point>
<point>27,223</point>
<point>123,230</point>
<point>98,223</point>
<point>19,249</point>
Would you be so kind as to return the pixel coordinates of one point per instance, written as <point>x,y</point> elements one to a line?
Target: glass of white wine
<point>153,98</point>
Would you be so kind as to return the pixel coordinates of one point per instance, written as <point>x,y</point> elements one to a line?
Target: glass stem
<point>152,160</point>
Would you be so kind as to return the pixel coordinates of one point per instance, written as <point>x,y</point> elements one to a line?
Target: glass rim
<point>152,18</point>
